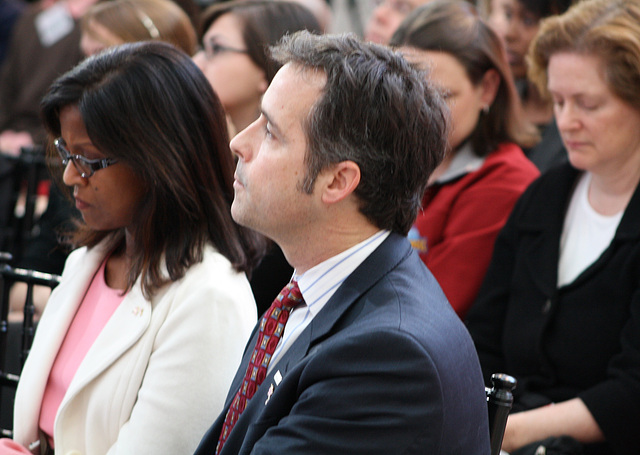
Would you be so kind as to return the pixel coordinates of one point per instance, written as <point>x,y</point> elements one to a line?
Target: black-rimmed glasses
<point>215,49</point>
<point>84,166</point>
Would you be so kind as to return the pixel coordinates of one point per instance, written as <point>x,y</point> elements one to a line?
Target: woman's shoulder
<point>558,180</point>
<point>210,287</point>
<point>545,200</point>
<point>505,169</point>
<point>215,271</point>
<point>84,257</point>
<point>510,157</point>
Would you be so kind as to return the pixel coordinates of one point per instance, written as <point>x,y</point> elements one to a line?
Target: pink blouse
<point>98,305</point>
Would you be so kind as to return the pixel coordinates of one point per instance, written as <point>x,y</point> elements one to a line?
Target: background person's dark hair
<point>150,107</point>
<point>378,111</point>
<point>457,29</point>
<point>546,8</point>
<point>264,22</point>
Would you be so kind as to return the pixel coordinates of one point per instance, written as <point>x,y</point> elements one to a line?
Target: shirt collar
<point>463,162</point>
<point>319,283</point>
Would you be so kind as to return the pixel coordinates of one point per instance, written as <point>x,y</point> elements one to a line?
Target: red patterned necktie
<point>271,328</point>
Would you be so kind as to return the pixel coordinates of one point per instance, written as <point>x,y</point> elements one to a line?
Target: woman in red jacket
<point>472,192</point>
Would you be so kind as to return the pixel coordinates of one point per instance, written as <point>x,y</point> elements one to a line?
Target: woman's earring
<point>485,109</point>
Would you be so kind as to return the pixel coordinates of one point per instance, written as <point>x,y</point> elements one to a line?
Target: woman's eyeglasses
<point>84,166</point>
<point>214,49</point>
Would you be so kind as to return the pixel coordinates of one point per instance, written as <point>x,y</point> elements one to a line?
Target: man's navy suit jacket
<point>385,368</point>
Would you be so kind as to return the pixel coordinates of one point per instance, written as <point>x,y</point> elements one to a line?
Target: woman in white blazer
<point>137,346</point>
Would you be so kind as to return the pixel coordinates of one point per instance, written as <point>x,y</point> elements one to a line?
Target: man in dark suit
<point>373,360</point>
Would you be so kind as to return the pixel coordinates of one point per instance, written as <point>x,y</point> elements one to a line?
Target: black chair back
<point>20,177</point>
<point>16,337</point>
<point>499,402</point>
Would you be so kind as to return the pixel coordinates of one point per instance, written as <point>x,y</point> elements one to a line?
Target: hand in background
<point>12,141</point>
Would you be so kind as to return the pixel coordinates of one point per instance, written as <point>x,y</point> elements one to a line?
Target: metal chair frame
<point>28,170</point>
<point>8,276</point>
<point>499,402</point>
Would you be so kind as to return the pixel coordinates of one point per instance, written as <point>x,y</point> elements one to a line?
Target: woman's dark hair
<point>457,29</point>
<point>546,8</point>
<point>264,23</point>
<point>150,107</point>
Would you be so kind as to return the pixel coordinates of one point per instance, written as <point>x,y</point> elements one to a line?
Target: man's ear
<point>340,181</point>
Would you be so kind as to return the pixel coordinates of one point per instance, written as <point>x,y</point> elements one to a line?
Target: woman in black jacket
<point>560,306</point>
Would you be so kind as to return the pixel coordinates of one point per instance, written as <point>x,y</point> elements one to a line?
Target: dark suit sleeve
<point>375,393</point>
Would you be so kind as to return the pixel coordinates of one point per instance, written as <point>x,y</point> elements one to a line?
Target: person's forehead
<point>293,91</point>
<point>416,3</point>
<point>227,25</point>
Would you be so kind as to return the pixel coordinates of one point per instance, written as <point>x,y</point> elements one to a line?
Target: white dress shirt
<point>317,286</point>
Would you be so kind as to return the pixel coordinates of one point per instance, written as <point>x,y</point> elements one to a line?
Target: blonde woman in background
<point>124,21</point>
<point>560,306</point>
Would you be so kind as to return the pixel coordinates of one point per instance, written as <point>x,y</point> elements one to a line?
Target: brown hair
<point>540,8</point>
<point>607,29</point>
<point>142,20</point>
<point>457,29</point>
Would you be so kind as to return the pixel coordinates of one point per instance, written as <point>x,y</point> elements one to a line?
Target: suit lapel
<point>124,328</point>
<point>367,274</point>
<point>544,249</point>
<point>386,257</point>
<point>60,311</point>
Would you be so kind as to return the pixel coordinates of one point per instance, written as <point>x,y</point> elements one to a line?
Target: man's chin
<point>242,215</point>
<point>237,212</point>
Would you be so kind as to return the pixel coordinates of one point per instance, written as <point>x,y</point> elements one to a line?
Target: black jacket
<point>579,340</point>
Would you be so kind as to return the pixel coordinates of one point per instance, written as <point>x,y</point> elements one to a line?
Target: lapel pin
<point>137,311</point>
<point>277,377</point>
<point>269,393</point>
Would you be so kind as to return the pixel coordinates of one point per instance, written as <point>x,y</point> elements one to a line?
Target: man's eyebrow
<point>274,126</point>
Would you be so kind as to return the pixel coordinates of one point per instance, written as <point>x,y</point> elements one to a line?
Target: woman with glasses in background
<point>137,346</point>
<point>235,51</point>
<point>235,59</point>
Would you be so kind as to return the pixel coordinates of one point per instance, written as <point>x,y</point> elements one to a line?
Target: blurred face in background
<point>386,18</point>
<point>237,80</point>
<point>96,38</point>
<point>517,26</point>
<point>465,100</point>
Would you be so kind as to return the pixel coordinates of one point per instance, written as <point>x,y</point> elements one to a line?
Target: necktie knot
<point>290,296</point>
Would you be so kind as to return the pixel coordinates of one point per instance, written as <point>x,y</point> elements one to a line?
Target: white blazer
<point>158,373</point>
